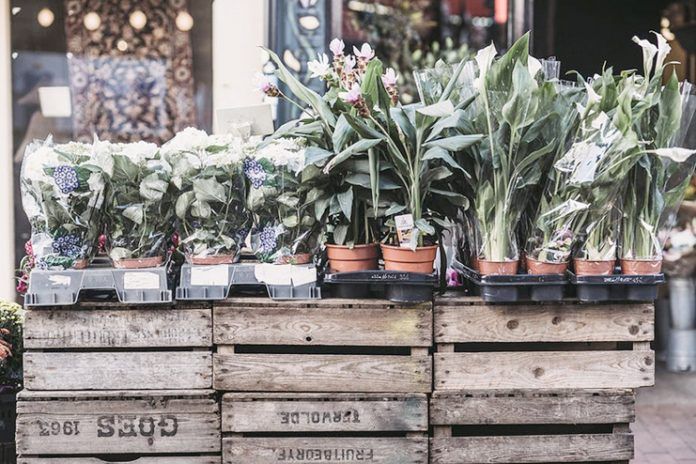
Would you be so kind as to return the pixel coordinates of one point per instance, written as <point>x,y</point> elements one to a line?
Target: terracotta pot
<point>542,267</point>
<point>641,266</point>
<point>299,258</point>
<point>80,263</point>
<point>359,258</point>
<point>588,267</point>
<point>212,260</point>
<point>475,263</point>
<point>138,263</point>
<point>498,267</point>
<point>406,260</point>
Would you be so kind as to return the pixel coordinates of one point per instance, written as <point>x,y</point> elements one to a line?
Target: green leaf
<point>424,227</point>
<point>360,146</point>
<point>152,188</point>
<point>316,155</point>
<point>342,133</point>
<point>345,199</point>
<point>135,213</point>
<point>209,189</point>
<point>444,155</point>
<point>435,174</point>
<point>404,123</point>
<point>320,206</point>
<point>453,197</point>
<point>288,199</point>
<point>291,221</point>
<point>340,233</point>
<point>394,209</point>
<point>201,209</point>
<point>182,204</point>
<point>456,142</point>
<point>437,110</point>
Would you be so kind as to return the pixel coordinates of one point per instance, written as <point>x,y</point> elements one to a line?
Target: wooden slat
<point>273,450</point>
<point>29,395</point>
<point>544,370</point>
<point>145,460</point>
<point>532,449</point>
<point>322,373</point>
<point>495,407</point>
<point>334,326</point>
<point>327,414</point>
<point>113,328</point>
<point>149,425</point>
<point>548,323</point>
<point>118,370</point>
<point>262,302</point>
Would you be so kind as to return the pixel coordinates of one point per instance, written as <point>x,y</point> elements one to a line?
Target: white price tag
<point>141,280</point>
<point>210,275</point>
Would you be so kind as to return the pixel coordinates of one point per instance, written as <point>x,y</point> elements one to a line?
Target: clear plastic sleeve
<point>285,230</point>
<point>140,204</point>
<point>210,205</point>
<point>63,190</point>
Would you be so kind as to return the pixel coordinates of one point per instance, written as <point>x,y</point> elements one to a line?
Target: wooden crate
<point>110,346</point>
<point>532,426</point>
<point>311,427</point>
<point>93,424</point>
<point>322,346</point>
<point>559,346</point>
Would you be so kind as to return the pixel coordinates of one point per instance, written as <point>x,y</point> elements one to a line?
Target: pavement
<point>665,427</point>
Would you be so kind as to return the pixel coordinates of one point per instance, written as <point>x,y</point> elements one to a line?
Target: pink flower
<point>337,46</point>
<point>366,53</point>
<point>349,65</point>
<point>265,85</point>
<point>175,239</point>
<point>353,96</point>
<point>22,286</point>
<point>28,249</point>
<point>389,78</point>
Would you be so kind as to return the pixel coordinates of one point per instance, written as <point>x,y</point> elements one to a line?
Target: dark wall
<point>583,34</point>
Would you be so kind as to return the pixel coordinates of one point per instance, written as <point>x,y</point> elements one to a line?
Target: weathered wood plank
<point>30,395</point>
<point>532,449</point>
<point>149,425</point>
<point>603,407</point>
<point>322,373</point>
<point>262,302</point>
<point>544,370</point>
<point>273,450</point>
<point>360,326</point>
<point>145,460</point>
<point>112,328</point>
<point>548,323</point>
<point>325,414</point>
<point>118,370</point>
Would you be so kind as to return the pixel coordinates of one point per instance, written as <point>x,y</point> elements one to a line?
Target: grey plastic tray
<point>216,282</point>
<point>57,288</point>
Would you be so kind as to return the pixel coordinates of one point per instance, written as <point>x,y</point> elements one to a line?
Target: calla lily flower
<point>649,52</point>
<point>533,65</point>
<point>484,60</point>
<point>663,50</point>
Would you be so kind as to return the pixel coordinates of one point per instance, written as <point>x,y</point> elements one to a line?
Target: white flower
<point>365,53</point>
<point>189,139</point>
<point>649,52</point>
<point>663,50</point>
<point>320,67</point>
<point>533,65</point>
<point>675,154</point>
<point>484,60</point>
<point>592,96</point>
<point>35,159</point>
<point>139,152</point>
<point>284,152</point>
<point>337,46</point>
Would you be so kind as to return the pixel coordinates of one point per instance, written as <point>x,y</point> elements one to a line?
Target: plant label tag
<point>211,275</point>
<point>302,275</point>
<point>59,280</point>
<point>404,229</point>
<point>141,280</point>
<point>252,120</point>
<point>273,274</point>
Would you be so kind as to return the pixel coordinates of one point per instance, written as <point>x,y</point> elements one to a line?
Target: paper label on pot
<point>141,280</point>
<point>404,229</point>
<point>210,275</point>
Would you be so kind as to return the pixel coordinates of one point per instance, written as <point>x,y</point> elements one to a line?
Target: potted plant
<point>661,116</point>
<point>139,206</point>
<point>11,322</point>
<point>210,206</point>
<point>63,189</point>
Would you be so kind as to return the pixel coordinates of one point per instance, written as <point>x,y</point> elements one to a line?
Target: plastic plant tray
<point>396,286</point>
<point>518,287</point>
<point>216,282</point>
<point>66,287</point>
<point>616,287</point>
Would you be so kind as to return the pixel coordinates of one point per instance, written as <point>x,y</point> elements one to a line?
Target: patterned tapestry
<point>129,84</point>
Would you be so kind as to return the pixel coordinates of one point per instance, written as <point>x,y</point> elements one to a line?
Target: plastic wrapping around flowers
<point>139,206</point>
<point>63,190</point>
<point>285,230</point>
<point>211,195</point>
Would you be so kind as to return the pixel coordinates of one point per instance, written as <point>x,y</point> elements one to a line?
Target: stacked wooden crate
<point>108,382</point>
<point>324,381</point>
<point>537,383</point>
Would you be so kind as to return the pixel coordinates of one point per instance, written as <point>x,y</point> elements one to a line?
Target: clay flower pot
<point>212,260</point>
<point>138,263</point>
<point>641,266</point>
<point>298,258</point>
<point>359,258</point>
<point>545,268</point>
<point>80,264</point>
<point>498,267</point>
<point>588,267</point>
<point>475,264</point>
<point>407,260</point>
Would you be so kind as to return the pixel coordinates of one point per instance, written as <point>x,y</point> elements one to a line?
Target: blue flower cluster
<point>68,245</point>
<point>267,239</point>
<point>66,179</point>
<point>254,172</point>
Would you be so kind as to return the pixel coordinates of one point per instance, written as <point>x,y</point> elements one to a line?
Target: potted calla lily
<point>661,116</point>
<point>207,173</point>
<point>139,206</point>
<point>63,189</point>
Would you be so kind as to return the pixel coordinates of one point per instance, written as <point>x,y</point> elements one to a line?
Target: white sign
<point>234,120</point>
<point>141,280</point>
<point>55,102</point>
<point>210,275</point>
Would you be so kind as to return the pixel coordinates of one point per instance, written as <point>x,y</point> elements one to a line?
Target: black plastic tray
<point>616,287</point>
<point>518,287</point>
<point>399,287</point>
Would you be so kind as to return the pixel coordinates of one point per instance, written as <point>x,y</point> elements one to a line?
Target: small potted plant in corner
<point>210,207</point>
<point>658,181</point>
<point>139,206</point>
<point>63,188</point>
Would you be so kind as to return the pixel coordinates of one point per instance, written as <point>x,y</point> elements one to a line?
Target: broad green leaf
<point>453,197</point>
<point>424,226</point>
<point>182,204</point>
<point>437,110</point>
<point>345,200</point>
<point>316,155</point>
<point>456,142</point>
<point>291,221</point>
<point>340,233</point>
<point>152,188</point>
<point>209,189</point>
<point>201,209</point>
<point>342,133</point>
<point>360,146</point>
<point>444,155</point>
<point>135,213</point>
